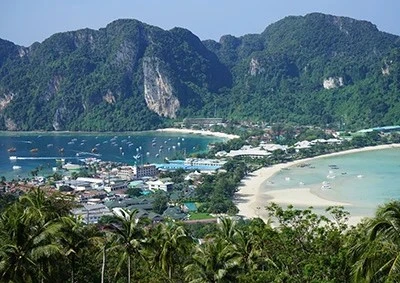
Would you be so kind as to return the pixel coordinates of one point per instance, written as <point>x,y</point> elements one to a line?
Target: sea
<point>364,180</point>
<point>30,151</point>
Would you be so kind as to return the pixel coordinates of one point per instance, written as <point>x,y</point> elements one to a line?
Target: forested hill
<point>314,69</point>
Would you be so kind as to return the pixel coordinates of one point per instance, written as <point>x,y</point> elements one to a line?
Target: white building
<point>137,172</point>
<point>91,214</point>
<point>204,162</point>
<point>160,185</point>
<point>114,186</point>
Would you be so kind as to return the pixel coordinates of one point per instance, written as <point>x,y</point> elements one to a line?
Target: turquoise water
<point>363,179</point>
<point>130,148</point>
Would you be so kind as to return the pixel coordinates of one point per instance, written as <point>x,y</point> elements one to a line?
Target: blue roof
<point>380,129</point>
<point>191,206</point>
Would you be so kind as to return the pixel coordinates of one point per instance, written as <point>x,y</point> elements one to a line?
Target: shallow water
<point>364,179</point>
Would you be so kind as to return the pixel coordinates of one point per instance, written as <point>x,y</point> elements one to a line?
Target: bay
<point>41,150</point>
<point>365,180</point>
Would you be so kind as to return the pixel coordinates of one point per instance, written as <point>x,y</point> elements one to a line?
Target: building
<point>161,184</point>
<point>115,186</point>
<point>77,185</point>
<point>202,122</point>
<point>91,214</point>
<point>147,170</point>
<point>198,164</point>
<point>137,172</point>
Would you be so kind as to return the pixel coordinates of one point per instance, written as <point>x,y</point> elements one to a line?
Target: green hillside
<point>314,69</point>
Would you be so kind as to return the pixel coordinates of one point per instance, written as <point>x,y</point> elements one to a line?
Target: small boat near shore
<point>326,186</point>
<point>16,167</point>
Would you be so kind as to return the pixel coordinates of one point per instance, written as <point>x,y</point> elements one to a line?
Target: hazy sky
<point>26,21</point>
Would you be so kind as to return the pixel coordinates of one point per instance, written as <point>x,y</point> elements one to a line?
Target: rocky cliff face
<point>158,91</point>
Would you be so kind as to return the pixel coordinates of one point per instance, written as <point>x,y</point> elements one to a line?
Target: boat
<point>325,185</point>
<point>33,150</point>
<point>360,176</point>
<point>12,149</point>
<point>61,150</point>
<point>16,167</point>
<point>94,150</point>
<point>13,157</point>
<point>287,178</point>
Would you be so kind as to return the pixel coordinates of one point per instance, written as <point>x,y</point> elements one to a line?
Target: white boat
<point>13,157</point>
<point>360,176</point>
<point>325,186</point>
<point>16,167</point>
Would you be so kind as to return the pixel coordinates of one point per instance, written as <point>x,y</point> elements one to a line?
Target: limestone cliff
<point>158,90</point>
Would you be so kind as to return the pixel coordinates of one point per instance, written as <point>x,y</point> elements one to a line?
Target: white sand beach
<point>199,132</point>
<point>251,199</point>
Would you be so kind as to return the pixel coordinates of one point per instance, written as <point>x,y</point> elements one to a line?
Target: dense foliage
<point>41,242</point>
<point>94,80</point>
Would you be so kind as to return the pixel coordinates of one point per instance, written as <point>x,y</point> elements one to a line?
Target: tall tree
<point>127,237</point>
<point>377,257</point>
<point>169,245</point>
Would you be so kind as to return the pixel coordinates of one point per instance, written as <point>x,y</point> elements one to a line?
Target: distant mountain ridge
<point>315,69</point>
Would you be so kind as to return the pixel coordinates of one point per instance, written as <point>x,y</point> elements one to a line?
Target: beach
<point>199,132</point>
<point>251,199</point>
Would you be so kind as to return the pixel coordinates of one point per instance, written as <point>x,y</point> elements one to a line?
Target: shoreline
<point>198,132</point>
<point>163,130</point>
<point>251,199</point>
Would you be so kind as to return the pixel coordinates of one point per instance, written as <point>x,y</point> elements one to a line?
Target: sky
<point>26,21</point>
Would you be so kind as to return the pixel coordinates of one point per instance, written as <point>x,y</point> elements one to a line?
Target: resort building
<point>249,151</point>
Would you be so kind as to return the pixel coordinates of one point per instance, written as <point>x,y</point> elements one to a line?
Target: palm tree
<point>127,237</point>
<point>227,229</point>
<point>28,244</point>
<point>378,256</point>
<point>214,261</point>
<point>75,238</point>
<point>168,246</point>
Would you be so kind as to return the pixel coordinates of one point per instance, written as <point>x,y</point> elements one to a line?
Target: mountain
<point>314,69</point>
